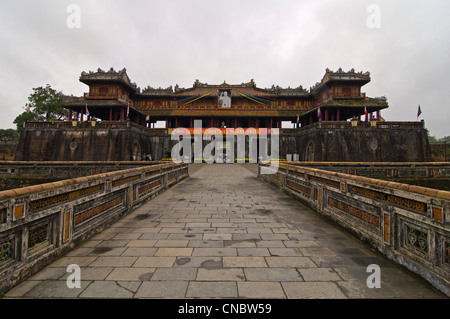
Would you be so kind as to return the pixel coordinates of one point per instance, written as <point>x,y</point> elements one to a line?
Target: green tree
<point>431,139</point>
<point>9,134</point>
<point>24,117</point>
<point>44,105</point>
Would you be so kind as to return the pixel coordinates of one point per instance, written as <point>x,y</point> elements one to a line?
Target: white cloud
<point>284,42</point>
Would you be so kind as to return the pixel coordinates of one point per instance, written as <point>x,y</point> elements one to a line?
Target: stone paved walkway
<point>223,233</point>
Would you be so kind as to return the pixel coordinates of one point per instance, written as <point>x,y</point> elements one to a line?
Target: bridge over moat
<point>219,233</point>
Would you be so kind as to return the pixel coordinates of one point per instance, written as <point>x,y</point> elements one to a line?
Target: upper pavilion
<point>337,97</point>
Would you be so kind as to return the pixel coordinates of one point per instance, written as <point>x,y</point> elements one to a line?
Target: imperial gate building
<point>332,121</point>
<point>111,94</point>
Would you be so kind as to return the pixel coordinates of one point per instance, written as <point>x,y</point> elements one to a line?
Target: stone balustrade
<point>384,169</point>
<point>408,224</point>
<point>42,222</point>
<point>66,169</point>
<point>94,125</point>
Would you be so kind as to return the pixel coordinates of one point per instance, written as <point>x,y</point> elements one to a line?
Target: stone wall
<point>408,224</point>
<point>440,151</point>
<point>324,141</point>
<point>357,142</point>
<point>89,141</point>
<point>42,222</point>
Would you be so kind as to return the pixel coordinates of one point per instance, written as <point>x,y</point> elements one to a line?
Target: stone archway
<point>309,153</point>
<point>136,151</point>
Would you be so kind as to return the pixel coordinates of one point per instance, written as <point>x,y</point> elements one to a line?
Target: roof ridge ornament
<point>342,75</point>
<point>110,74</point>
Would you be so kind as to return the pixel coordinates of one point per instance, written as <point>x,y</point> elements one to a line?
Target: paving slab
<point>261,290</point>
<point>163,274</point>
<point>110,289</point>
<point>168,289</point>
<point>200,289</point>
<point>313,290</point>
<point>222,233</point>
<point>272,274</point>
<point>224,274</point>
<point>244,262</point>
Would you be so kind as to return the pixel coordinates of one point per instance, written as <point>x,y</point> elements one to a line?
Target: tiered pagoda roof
<point>338,94</point>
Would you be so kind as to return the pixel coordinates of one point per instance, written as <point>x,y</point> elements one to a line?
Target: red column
<point>122,114</point>
<point>337,115</point>
<point>70,115</point>
<point>326,115</point>
<point>110,114</point>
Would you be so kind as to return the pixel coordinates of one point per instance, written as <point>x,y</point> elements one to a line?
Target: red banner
<point>225,131</point>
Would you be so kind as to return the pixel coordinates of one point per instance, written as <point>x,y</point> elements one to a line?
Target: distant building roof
<point>341,76</point>
<point>108,76</point>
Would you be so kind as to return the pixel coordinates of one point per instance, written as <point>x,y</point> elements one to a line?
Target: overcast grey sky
<point>282,42</point>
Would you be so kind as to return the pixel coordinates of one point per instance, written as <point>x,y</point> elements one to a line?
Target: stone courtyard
<point>222,233</point>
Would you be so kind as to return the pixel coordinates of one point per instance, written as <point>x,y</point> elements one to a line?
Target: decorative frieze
<point>147,187</point>
<point>325,181</point>
<point>57,199</point>
<point>355,212</point>
<point>400,201</point>
<point>92,212</point>
<point>151,173</point>
<point>125,180</point>
<point>302,188</point>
